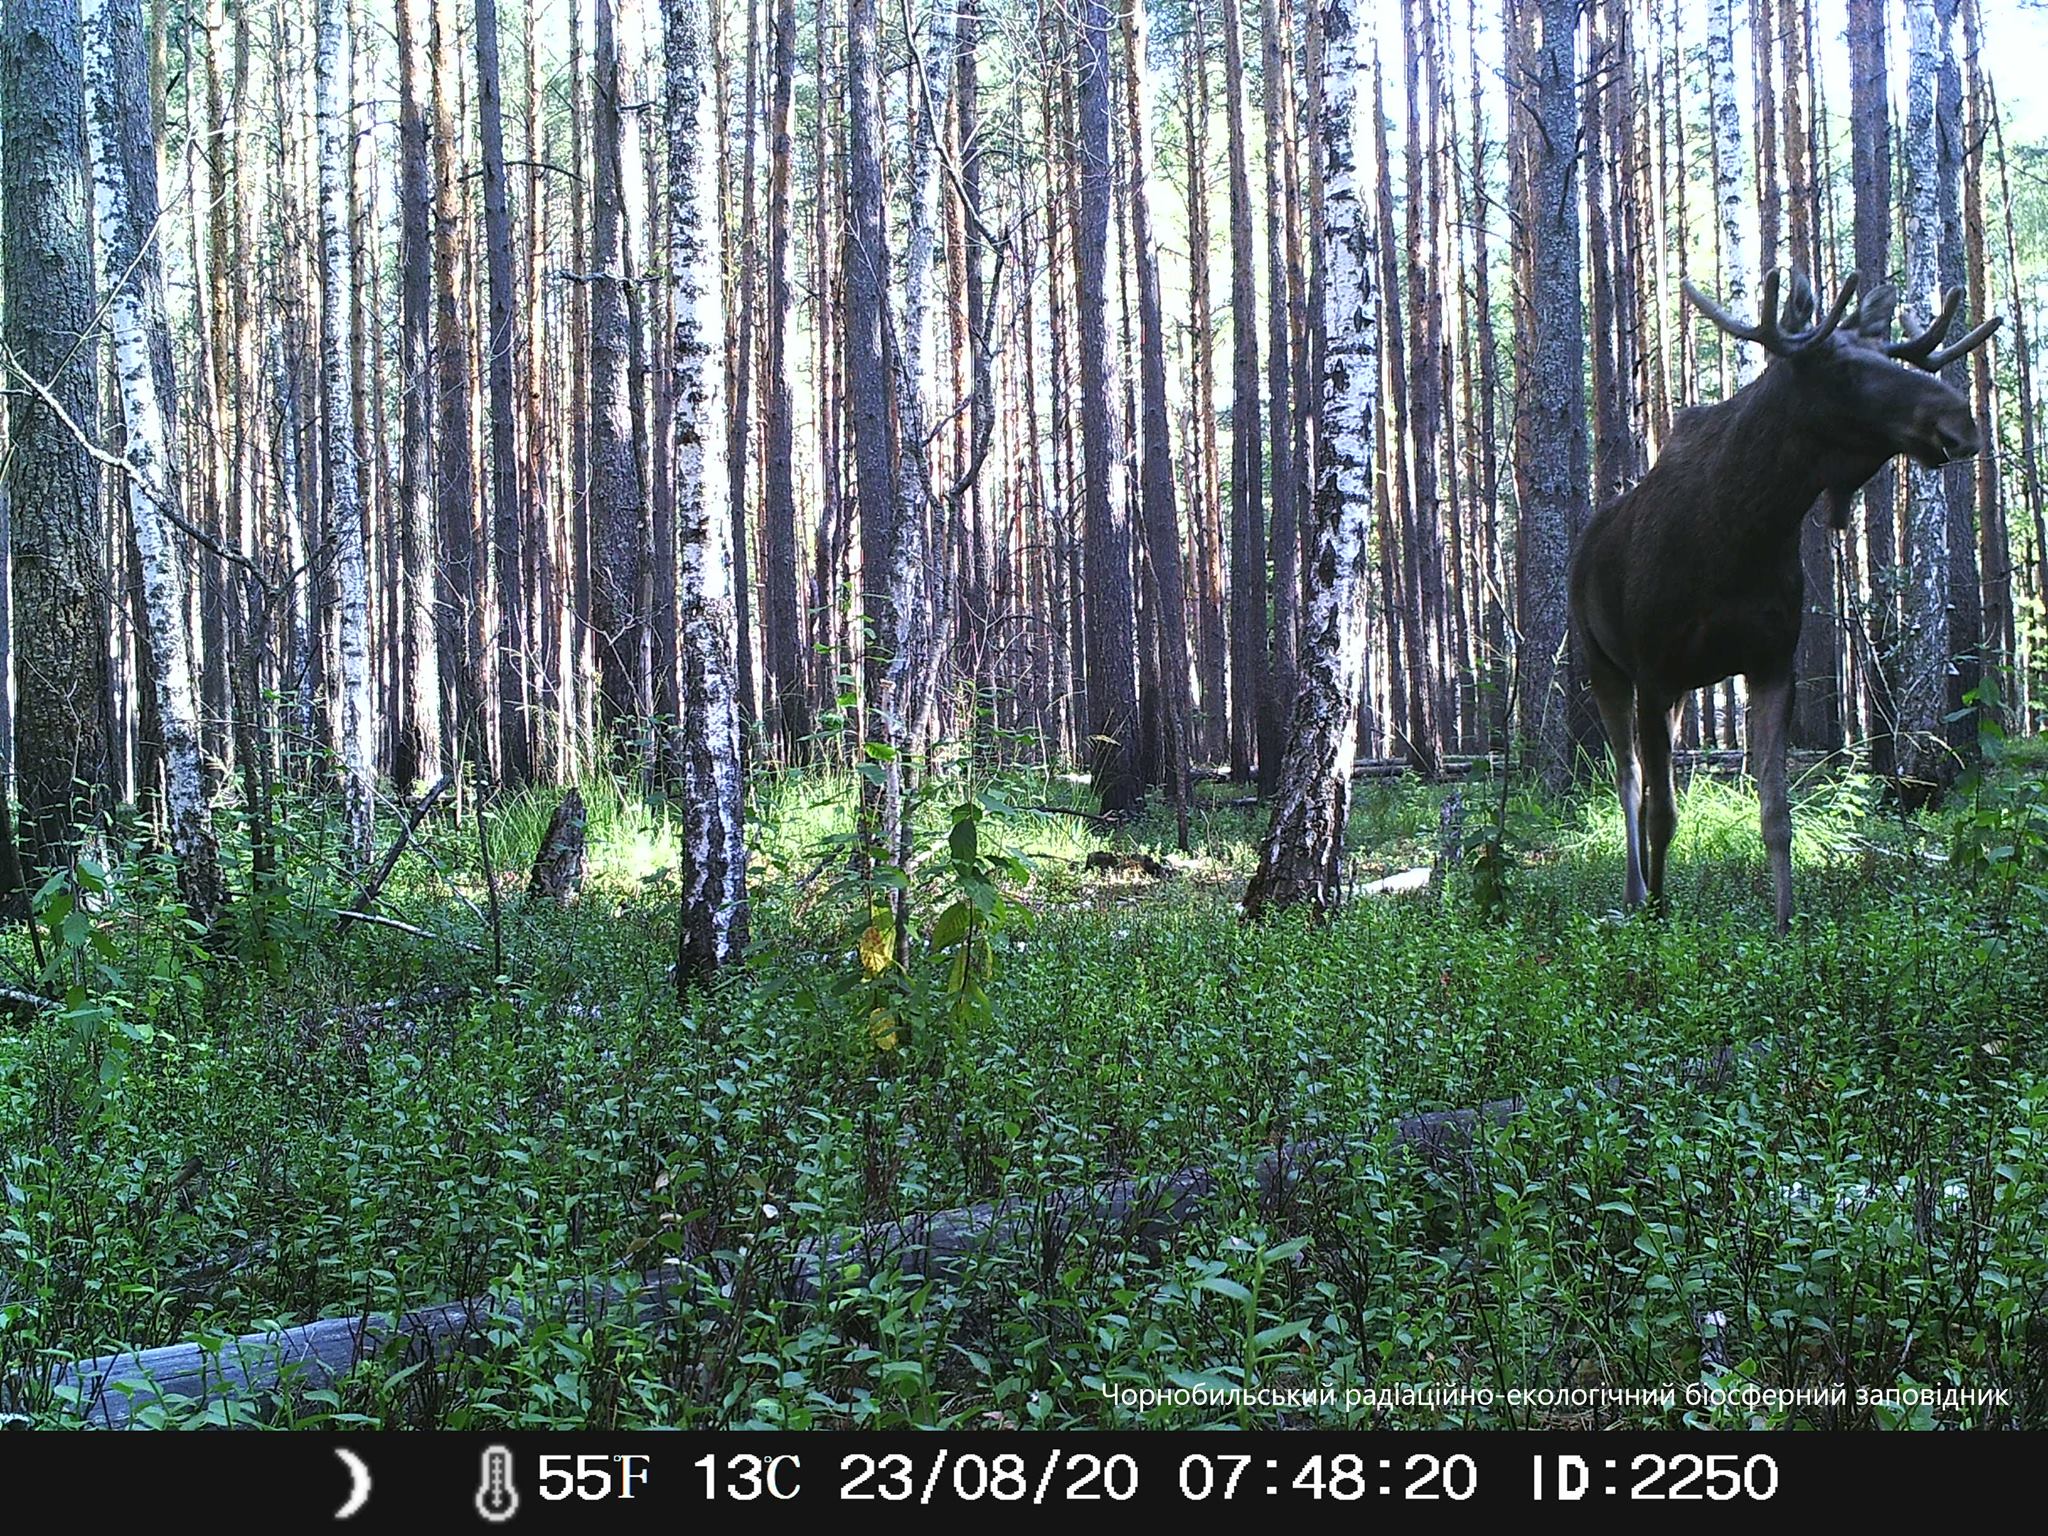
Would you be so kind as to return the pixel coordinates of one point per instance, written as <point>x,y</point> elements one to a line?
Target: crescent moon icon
<point>359,1489</point>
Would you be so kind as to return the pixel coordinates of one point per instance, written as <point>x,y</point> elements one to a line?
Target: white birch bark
<point>1728,180</point>
<point>342,480</point>
<point>130,269</point>
<point>1302,858</point>
<point>713,927</point>
<point>1924,640</point>
<point>909,667</point>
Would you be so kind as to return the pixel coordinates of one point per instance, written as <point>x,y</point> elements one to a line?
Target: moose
<point>1693,575</point>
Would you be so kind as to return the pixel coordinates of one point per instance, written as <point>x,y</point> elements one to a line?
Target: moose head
<point>1852,400</point>
<point>1693,575</point>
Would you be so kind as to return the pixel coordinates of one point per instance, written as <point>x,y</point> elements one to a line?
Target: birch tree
<point>1871,165</point>
<point>130,266</point>
<point>1302,857</point>
<point>911,661</point>
<point>866,267</point>
<point>1726,114</point>
<point>1923,757</point>
<point>341,480</point>
<point>713,926</point>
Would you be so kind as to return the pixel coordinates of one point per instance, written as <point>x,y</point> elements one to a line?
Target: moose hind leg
<point>1616,698</point>
<point>1660,793</point>
<point>1770,715</point>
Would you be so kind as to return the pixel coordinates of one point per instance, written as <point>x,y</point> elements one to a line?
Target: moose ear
<point>1874,315</point>
<point>1798,312</point>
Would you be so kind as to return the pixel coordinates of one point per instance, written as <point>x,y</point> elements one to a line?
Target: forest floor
<point>293,1123</point>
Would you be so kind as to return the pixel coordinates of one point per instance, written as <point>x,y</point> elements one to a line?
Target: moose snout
<point>1950,436</point>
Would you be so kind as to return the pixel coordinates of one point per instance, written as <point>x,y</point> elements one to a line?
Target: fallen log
<point>1405,883</point>
<point>110,1389</point>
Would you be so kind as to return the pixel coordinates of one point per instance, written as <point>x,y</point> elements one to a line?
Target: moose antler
<point>1921,351</point>
<point>1769,331</point>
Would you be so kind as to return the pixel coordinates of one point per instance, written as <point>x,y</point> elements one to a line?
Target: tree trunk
<point>1924,763</point>
<point>615,491</point>
<point>1161,518</point>
<point>1284,542</point>
<point>1816,705</point>
<point>1213,643</point>
<point>1994,541</point>
<point>2030,469</point>
<point>460,625</point>
<point>1106,539</point>
<point>1728,195</point>
<point>1871,174</point>
<point>713,921</point>
<point>1965,581</point>
<point>1493,577</point>
<point>1424,386</point>
<point>1763,28</point>
<point>125,214</point>
<point>62,748</point>
<point>581,666</point>
<point>866,269</point>
<point>1301,861</point>
<point>1551,399</point>
<point>342,468</point>
<point>508,499</point>
<point>788,714</point>
<point>420,743</point>
<point>1247,524</point>
<point>740,369</point>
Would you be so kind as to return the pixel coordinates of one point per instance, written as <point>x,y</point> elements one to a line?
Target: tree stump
<point>558,864</point>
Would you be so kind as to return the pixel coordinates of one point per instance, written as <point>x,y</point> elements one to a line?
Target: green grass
<point>198,1145</point>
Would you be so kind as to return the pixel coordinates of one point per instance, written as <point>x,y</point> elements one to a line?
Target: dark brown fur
<point>1693,575</point>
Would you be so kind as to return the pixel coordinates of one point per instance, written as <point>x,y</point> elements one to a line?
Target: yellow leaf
<point>875,951</point>
<point>882,1029</point>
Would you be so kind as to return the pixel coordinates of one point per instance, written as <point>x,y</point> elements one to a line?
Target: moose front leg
<point>1616,698</point>
<point>1654,725</point>
<point>1770,716</point>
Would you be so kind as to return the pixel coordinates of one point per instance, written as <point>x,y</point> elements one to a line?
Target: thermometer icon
<point>496,1499</point>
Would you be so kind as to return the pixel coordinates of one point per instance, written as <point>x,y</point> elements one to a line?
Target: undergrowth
<point>206,1139</point>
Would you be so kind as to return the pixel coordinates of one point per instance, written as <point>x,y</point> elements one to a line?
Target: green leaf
<point>952,925</point>
<point>966,839</point>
